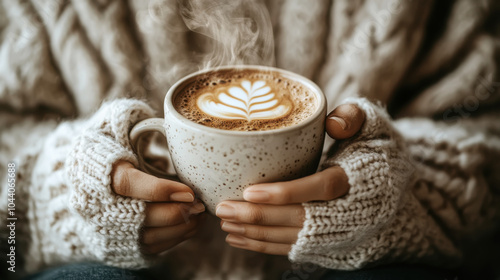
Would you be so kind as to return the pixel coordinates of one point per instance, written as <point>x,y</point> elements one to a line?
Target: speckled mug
<point>218,164</point>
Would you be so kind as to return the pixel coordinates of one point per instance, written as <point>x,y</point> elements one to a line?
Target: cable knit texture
<point>375,216</point>
<point>115,220</point>
<point>423,170</point>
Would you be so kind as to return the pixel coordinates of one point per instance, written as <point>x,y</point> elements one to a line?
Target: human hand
<point>171,210</point>
<point>272,215</point>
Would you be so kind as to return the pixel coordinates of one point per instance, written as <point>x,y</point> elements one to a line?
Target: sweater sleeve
<point>71,213</point>
<point>406,202</point>
<point>114,221</point>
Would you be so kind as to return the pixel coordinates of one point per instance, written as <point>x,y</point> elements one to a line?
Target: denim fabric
<point>94,271</point>
<point>88,271</point>
<point>392,272</point>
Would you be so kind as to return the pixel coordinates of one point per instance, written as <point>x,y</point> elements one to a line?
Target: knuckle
<point>147,237</point>
<point>329,190</point>
<point>259,234</point>
<point>329,186</point>
<point>255,215</point>
<point>260,247</point>
<point>166,216</point>
<point>155,192</point>
<point>300,214</point>
<point>121,182</point>
<point>284,195</point>
<point>281,194</point>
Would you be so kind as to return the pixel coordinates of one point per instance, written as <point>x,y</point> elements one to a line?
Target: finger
<point>154,235</point>
<point>170,214</point>
<point>258,246</point>
<point>274,234</point>
<point>155,248</point>
<point>131,182</point>
<point>344,121</point>
<point>326,185</point>
<point>261,214</point>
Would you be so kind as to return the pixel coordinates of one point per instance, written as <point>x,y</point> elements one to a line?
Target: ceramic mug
<point>217,163</point>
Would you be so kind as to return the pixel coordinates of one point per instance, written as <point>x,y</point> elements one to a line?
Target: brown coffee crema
<point>245,100</point>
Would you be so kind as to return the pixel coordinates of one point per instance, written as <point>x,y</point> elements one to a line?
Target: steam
<point>233,32</point>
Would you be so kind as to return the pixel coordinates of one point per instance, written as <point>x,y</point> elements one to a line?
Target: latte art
<point>245,100</point>
<point>250,101</point>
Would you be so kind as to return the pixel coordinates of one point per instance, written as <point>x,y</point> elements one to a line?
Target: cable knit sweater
<point>423,170</point>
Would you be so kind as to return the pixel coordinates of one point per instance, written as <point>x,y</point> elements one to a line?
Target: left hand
<point>272,215</point>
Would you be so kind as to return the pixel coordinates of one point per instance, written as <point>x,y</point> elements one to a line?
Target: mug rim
<point>321,111</point>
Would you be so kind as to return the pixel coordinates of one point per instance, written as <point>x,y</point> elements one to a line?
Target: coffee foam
<point>248,101</point>
<point>245,100</point>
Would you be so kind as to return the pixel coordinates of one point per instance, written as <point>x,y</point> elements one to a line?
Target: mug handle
<point>137,142</point>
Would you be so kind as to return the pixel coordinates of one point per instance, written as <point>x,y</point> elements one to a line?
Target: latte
<point>245,100</point>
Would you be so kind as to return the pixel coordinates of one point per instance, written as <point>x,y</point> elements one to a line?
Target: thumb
<point>345,121</point>
<point>128,181</point>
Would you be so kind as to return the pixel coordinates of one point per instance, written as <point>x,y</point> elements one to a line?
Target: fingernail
<point>256,196</point>
<point>234,228</point>
<point>225,212</point>
<point>340,121</point>
<point>235,240</point>
<point>182,197</point>
<point>197,208</point>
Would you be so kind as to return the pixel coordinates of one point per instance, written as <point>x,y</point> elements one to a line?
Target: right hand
<point>171,210</point>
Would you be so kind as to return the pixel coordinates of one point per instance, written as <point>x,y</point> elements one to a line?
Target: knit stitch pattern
<point>423,172</point>
<point>115,220</point>
<point>375,217</point>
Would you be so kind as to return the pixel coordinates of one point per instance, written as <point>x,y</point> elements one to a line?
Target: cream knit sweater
<point>76,75</point>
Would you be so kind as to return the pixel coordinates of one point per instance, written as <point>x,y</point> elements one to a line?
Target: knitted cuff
<point>115,221</point>
<point>378,171</point>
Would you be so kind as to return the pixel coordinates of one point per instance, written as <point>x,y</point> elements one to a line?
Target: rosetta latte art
<point>249,102</point>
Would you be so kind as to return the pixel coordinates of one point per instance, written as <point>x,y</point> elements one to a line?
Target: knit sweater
<point>423,170</point>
